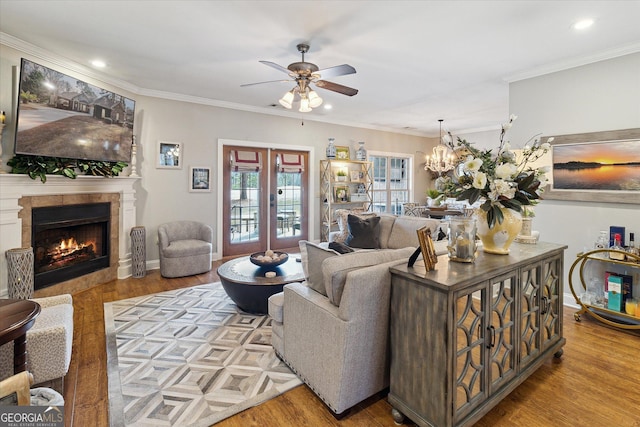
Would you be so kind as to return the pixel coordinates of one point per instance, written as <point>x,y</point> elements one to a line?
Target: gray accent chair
<point>185,248</point>
<point>338,344</point>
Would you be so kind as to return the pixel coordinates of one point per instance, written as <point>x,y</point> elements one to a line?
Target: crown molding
<point>577,61</point>
<point>37,52</point>
<point>42,54</point>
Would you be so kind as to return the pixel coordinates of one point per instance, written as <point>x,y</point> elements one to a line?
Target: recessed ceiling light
<point>328,106</point>
<point>98,63</point>
<point>581,25</point>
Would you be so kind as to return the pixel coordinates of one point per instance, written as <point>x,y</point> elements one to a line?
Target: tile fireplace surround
<point>19,193</point>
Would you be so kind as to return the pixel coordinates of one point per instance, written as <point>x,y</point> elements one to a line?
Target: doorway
<point>265,199</point>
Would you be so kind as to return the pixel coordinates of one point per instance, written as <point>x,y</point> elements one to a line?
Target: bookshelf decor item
<point>342,153</point>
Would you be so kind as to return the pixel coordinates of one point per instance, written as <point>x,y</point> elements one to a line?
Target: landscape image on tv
<point>62,116</point>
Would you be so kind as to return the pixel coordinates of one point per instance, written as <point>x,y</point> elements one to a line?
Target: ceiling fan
<point>305,74</point>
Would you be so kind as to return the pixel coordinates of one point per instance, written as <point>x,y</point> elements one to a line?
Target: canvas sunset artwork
<point>609,165</point>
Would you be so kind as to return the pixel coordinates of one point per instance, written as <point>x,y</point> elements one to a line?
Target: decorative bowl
<point>271,261</point>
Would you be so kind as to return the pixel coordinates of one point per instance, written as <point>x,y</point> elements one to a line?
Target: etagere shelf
<point>592,266</point>
<point>356,186</point>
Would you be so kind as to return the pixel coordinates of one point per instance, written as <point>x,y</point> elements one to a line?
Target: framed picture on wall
<point>169,155</point>
<point>199,179</point>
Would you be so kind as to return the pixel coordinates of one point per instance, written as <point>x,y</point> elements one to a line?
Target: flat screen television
<point>63,116</point>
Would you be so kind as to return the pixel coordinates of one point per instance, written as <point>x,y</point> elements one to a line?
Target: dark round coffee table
<point>247,286</point>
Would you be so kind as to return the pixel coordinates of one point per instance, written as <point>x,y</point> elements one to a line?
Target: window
<point>391,182</point>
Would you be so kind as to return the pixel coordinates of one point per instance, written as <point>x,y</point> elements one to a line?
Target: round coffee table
<point>247,286</point>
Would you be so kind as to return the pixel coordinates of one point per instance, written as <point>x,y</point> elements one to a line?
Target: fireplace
<point>69,241</point>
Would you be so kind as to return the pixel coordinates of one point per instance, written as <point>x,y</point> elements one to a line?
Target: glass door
<point>244,200</point>
<point>288,199</point>
<point>265,199</point>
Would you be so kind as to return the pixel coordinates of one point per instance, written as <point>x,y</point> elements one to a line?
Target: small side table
<point>16,318</point>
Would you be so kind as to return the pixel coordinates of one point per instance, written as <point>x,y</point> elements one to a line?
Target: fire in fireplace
<point>69,241</point>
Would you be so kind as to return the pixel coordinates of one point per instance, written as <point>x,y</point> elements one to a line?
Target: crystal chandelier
<point>442,160</point>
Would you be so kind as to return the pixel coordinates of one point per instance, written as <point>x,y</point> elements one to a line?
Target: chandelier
<point>308,97</point>
<point>442,160</point>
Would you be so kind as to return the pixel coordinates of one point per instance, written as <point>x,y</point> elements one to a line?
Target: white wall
<point>596,97</point>
<point>163,193</point>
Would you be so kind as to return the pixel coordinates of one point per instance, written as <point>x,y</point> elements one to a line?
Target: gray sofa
<point>332,329</point>
<point>340,351</point>
<point>185,248</point>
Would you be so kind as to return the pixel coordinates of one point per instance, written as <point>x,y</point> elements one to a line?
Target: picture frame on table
<point>342,153</point>
<point>169,155</point>
<point>427,248</point>
<point>199,179</point>
<point>356,176</point>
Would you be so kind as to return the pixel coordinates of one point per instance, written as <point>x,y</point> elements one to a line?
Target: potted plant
<point>341,175</point>
<point>434,197</point>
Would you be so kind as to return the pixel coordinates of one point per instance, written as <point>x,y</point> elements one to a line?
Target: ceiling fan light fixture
<point>287,100</point>
<point>304,105</point>
<point>314,99</point>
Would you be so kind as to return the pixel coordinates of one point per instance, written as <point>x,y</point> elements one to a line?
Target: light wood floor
<point>595,383</point>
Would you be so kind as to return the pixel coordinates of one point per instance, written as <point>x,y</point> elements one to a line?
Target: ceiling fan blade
<point>270,81</point>
<point>345,90</point>
<point>338,70</point>
<point>276,66</point>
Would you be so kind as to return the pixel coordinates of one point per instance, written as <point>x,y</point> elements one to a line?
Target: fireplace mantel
<point>13,187</point>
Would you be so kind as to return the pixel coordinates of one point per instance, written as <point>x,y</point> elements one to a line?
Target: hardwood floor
<point>595,383</point>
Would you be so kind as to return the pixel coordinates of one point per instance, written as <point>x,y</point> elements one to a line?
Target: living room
<point>595,94</point>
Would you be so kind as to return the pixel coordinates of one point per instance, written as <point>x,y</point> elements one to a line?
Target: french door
<point>265,199</point>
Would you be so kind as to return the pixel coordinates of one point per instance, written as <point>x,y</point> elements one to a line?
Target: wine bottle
<point>617,251</point>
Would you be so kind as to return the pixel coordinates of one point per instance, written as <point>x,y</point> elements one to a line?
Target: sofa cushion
<point>364,232</point>
<point>335,272</point>
<point>403,233</point>
<point>187,247</point>
<point>341,216</point>
<point>386,224</point>
<point>312,264</point>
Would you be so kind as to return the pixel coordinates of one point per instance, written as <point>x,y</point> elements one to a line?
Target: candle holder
<point>462,239</point>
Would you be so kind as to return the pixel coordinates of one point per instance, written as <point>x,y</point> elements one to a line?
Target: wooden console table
<point>464,336</point>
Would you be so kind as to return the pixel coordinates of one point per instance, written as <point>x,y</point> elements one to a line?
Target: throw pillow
<point>364,232</point>
<point>341,216</point>
<point>315,256</point>
<point>341,248</point>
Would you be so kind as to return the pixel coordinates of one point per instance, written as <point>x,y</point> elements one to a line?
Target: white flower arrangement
<point>498,178</point>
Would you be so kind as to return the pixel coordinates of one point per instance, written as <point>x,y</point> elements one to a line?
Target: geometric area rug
<point>188,357</point>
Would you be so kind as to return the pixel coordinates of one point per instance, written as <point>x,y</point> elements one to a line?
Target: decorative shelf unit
<point>359,175</point>
<point>592,267</point>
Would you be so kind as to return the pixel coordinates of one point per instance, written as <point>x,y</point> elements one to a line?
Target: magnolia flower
<point>499,188</point>
<point>545,146</point>
<point>472,165</point>
<point>479,180</point>
<point>506,170</point>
